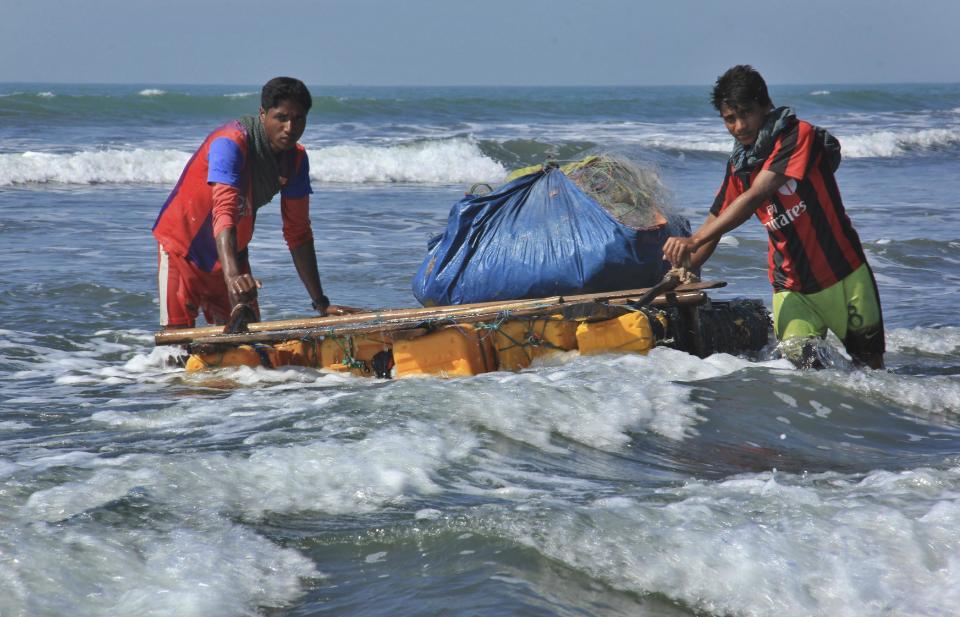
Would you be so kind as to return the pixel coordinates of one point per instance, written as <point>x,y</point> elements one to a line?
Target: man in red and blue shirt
<point>782,170</point>
<point>204,228</point>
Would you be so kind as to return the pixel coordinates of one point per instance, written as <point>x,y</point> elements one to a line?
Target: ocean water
<point>663,485</point>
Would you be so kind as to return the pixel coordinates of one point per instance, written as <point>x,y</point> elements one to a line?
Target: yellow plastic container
<point>519,341</point>
<point>627,333</point>
<point>352,353</point>
<point>243,355</point>
<point>295,353</point>
<point>451,351</point>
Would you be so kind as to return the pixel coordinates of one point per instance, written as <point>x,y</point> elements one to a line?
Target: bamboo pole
<point>388,320</point>
<point>187,335</point>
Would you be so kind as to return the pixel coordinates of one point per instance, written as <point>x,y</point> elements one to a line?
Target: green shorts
<point>849,308</point>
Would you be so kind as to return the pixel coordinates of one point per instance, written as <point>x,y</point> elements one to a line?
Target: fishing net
<point>632,194</point>
<point>739,327</point>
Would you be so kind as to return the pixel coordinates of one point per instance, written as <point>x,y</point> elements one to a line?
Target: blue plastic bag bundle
<point>538,236</point>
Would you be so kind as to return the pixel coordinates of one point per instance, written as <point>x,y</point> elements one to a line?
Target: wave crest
<point>876,144</point>
<point>443,162</point>
<point>889,144</point>
<point>93,167</point>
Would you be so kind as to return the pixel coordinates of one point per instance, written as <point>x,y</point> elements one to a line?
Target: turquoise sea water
<point>663,485</point>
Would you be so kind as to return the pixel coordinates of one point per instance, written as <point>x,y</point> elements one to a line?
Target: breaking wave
<point>441,162</point>
<point>888,144</point>
<point>455,160</point>
<point>875,144</point>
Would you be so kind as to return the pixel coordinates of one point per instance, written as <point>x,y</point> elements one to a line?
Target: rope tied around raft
<point>530,338</point>
<point>348,359</point>
<point>493,325</point>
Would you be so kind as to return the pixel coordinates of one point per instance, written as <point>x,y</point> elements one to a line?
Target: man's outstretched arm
<point>305,260</point>
<point>298,234</point>
<point>702,243</point>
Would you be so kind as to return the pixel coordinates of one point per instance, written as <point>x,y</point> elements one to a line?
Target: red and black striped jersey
<point>812,241</point>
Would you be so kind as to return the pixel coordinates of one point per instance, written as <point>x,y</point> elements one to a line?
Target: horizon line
<point>464,85</point>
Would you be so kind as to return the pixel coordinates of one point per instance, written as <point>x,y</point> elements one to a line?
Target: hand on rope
<point>683,272</point>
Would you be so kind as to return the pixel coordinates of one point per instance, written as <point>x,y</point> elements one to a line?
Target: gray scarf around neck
<point>264,167</point>
<point>745,159</point>
<point>779,120</point>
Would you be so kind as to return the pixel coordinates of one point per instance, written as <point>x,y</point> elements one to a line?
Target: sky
<point>478,42</point>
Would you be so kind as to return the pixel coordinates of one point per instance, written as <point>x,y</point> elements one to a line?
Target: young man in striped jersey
<point>782,170</point>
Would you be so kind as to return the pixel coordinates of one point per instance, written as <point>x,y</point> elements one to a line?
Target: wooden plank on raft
<point>187,335</point>
<point>393,320</point>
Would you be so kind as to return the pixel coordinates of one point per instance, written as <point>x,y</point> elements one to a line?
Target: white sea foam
<point>167,568</point>
<point>939,341</point>
<point>711,138</point>
<point>820,93</point>
<point>888,144</point>
<point>16,426</point>
<point>873,144</point>
<point>722,547</point>
<point>152,92</point>
<point>444,161</point>
<point>585,399</point>
<point>333,476</point>
<point>208,569</point>
<point>427,514</point>
<point>93,167</point>
<point>449,162</point>
<point>768,545</point>
<point>922,396</point>
<point>691,143</point>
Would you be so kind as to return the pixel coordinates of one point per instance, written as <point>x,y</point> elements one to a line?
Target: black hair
<point>281,89</point>
<point>741,86</point>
